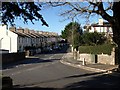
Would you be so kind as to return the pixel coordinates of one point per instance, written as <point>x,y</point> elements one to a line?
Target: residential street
<point>46,71</point>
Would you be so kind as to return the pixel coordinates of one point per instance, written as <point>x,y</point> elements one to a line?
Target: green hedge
<point>98,49</point>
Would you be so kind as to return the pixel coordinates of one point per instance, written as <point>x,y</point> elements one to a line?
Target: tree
<point>93,38</point>
<point>76,39</point>
<point>92,7</point>
<point>87,28</point>
<point>67,32</point>
<point>72,33</point>
<point>23,10</point>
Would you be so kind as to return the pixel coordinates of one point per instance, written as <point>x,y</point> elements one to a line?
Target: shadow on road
<point>34,60</point>
<point>26,61</point>
<point>98,81</point>
<point>102,81</point>
<point>55,80</point>
<point>84,75</point>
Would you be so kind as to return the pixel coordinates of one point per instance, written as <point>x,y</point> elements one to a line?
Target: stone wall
<point>100,58</point>
<point>107,59</point>
<point>12,57</point>
<point>87,57</point>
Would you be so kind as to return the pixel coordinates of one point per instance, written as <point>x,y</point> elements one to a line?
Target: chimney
<point>20,30</point>
<point>100,21</point>
<point>32,31</point>
<point>26,30</point>
<point>40,32</point>
<point>13,29</point>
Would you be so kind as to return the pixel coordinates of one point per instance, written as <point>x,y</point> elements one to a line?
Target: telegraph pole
<point>74,51</point>
<point>72,36</point>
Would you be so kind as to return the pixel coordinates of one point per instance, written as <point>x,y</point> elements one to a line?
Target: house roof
<point>34,34</point>
<point>31,35</point>
<point>19,34</point>
<point>105,24</point>
<point>40,35</point>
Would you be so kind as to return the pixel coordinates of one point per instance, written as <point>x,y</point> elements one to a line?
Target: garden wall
<point>12,57</point>
<point>99,58</point>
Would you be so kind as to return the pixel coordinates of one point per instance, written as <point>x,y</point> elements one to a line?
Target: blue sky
<point>51,16</point>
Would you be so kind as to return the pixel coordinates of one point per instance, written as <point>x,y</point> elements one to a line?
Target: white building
<point>13,41</point>
<point>8,39</point>
<point>17,40</point>
<point>101,27</point>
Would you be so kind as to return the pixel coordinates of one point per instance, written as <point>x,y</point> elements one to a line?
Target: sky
<point>55,22</point>
<point>51,17</point>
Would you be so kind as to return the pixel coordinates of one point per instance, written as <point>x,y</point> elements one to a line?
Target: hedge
<point>98,49</point>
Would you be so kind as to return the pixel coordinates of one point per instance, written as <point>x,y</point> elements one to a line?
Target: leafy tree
<point>87,28</point>
<point>64,33</point>
<point>93,38</point>
<point>76,39</point>
<point>72,33</point>
<point>23,10</point>
<point>67,32</point>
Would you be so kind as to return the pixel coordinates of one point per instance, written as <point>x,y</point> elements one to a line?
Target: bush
<point>98,49</point>
<point>93,38</point>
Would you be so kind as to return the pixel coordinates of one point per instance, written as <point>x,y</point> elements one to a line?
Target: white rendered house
<point>101,27</point>
<point>8,39</point>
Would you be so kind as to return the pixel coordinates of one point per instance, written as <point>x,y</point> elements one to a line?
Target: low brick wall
<point>12,57</point>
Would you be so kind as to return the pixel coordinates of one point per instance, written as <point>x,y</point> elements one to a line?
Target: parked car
<point>56,47</point>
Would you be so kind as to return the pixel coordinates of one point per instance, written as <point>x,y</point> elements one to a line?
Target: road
<point>46,71</point>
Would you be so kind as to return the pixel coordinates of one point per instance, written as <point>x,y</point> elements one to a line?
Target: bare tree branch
<point>84,8</point>
<point>56,4</point>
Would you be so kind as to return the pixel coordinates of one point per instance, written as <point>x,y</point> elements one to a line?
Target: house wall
<point>3,30</point>
<point>92,29</point>
<point>5,43</point>
<point>20,44</point>
<point>101,29</point>
<point>8,41</point>
<point>4,39</point>
<point>13,40</point>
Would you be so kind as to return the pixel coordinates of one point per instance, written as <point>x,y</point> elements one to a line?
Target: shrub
<point>93,38</point>
<point>98,49</point>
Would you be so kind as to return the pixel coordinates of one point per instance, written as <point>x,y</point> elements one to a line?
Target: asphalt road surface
<point>46,71</point>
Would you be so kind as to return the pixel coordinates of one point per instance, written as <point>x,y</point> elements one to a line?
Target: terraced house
<point>19,39</point>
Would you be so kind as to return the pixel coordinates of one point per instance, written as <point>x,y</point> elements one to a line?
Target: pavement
<point>67,59</point>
